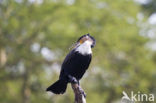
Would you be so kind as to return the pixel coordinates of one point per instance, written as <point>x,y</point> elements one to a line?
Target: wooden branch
<point>79,93</point>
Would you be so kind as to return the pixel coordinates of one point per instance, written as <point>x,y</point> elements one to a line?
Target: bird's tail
<point>59,87</point>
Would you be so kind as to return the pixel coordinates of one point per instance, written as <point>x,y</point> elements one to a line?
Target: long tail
<point>59,87</point>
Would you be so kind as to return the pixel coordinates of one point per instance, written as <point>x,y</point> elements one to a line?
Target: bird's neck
<point>84,48</point>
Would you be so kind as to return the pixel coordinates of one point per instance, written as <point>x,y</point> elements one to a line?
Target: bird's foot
<point>72,79</point>
<point>82,92</point>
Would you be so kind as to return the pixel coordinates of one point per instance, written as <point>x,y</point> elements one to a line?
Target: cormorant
<point>75,64</point>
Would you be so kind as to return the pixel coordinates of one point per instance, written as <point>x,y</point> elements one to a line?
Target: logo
<point>134,97</point>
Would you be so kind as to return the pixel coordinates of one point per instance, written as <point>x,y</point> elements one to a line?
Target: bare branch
<point>79,93</point>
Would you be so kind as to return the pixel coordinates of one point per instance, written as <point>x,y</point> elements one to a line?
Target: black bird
<point>75,64</point>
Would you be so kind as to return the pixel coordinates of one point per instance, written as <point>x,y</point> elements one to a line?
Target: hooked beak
<point>74,45</point>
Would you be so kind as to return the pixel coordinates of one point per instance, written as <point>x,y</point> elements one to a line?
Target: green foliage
<point>28,30</point>
<point>149,7</point>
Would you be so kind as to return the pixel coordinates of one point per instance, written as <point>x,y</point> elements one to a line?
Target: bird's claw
<point>74,81</point>
<point>82,92</point>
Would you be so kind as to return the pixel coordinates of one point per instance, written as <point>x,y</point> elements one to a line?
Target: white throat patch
<point>85,48</point>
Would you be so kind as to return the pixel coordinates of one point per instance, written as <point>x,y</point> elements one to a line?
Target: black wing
<point>75,64</point>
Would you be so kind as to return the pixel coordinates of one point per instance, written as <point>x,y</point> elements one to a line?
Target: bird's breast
<point>77,65</point>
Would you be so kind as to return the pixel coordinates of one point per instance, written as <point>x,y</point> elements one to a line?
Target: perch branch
<point>79,93</point>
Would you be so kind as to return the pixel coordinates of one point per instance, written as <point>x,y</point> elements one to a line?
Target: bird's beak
<point>77,44</point>
<point>74,45</point>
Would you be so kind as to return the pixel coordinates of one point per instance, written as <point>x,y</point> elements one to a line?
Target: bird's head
<point>86,38</point>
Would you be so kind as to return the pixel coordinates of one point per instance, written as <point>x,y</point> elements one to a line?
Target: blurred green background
<point>35,36</point>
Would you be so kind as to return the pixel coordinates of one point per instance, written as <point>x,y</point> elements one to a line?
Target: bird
<point>75,64</point>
